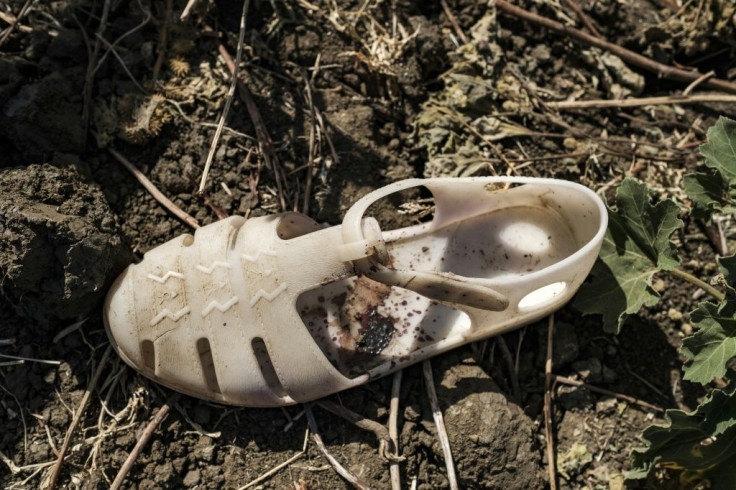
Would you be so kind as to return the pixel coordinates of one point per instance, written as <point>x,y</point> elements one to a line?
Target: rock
<point>191,478</point>
<point>42,117</point>
<point>674,314</point>
<point>62,246</point>
<point>606,406</point>
<point>589,369</point>
<point>205,449</point>
<point>492,439</point>
<point>570,397</point>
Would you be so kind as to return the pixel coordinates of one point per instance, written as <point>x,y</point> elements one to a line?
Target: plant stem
<point>701,284</point>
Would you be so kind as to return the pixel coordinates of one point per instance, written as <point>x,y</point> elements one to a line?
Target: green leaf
<point>709,193</point>
<point>727,265</point>
<point>701,443</point>
<point>709,350</point>
<point>637,244</point>
<point>720,150</point>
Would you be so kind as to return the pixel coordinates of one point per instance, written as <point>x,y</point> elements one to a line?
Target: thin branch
<point>341,470</point>
<point>583,17</point>
<point>228,98</point>
<point>454,22</point>
<point>162,40</point>
<point>78,416</point>
<point>142,441</point>
<point>644,101</point>
<point>264,139</point>
<point>89,78</point>
<point>508,358</point>
<point>548,405</point>
<point>574,382</point>
<point>381,432</point>
<point>188,9</point>
<point>157,195</point>
<point>312,136</point>
<point>664,71</point>
<point>439,422</point>
<point>697,82</point>
<point>278,467</point>
<point>23,11</point>
<point>697,282</point>
<point>393,429</point>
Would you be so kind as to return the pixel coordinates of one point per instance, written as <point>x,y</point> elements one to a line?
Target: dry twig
<point>23,12</point>
<point>697,82</point>
<point>312,136</point>
<point>162,40</point>
<point>393,429</point>
<point>157,195</point>
<point>352,479</point>
<point>664,71</point>
<point>188,9</point>
<point>385,448</point>
<point>228,98</point>
<point>439,422</point>
<point>574,382</point>
<point>142,440</point>
<point>453,20</point>
<point>278,467</point>
<point>583,17</point>
<point>89,78</point>
<point>510,367</point>
<point>78,416</point>
<point>548,405</point>
<point>644,101</point>
<point>264,138</point>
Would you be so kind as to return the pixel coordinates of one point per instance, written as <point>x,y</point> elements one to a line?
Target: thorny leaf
<point>637,244</point>
<point>701,443</point>
<point>709,350</point>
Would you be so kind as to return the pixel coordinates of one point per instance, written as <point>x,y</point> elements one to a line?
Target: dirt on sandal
<point>375,92</point>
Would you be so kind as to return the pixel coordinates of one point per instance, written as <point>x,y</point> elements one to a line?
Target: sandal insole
<point>360,324</point>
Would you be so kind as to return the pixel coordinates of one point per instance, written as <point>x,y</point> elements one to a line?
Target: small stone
<point>574,397</point>
<point>192,478</point>
<point>411,413</point>
<point>674,314</point>
<point>606,406</point>
<point>687,328</point>
<point>658,285</point>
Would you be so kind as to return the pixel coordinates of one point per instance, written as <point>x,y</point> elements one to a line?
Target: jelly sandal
<point>278,310</point>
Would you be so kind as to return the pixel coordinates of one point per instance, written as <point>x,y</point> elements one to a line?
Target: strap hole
<point>542,296</point>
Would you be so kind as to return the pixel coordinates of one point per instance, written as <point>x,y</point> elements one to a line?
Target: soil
<point>396,94</point>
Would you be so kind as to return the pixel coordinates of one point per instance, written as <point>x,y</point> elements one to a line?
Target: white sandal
<point>278,310</point>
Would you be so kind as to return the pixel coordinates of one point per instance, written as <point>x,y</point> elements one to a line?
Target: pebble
<point>192,478</point>
<point>674,314</point>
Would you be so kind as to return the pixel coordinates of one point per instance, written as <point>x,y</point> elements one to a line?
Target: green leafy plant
<point>701,444</point>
